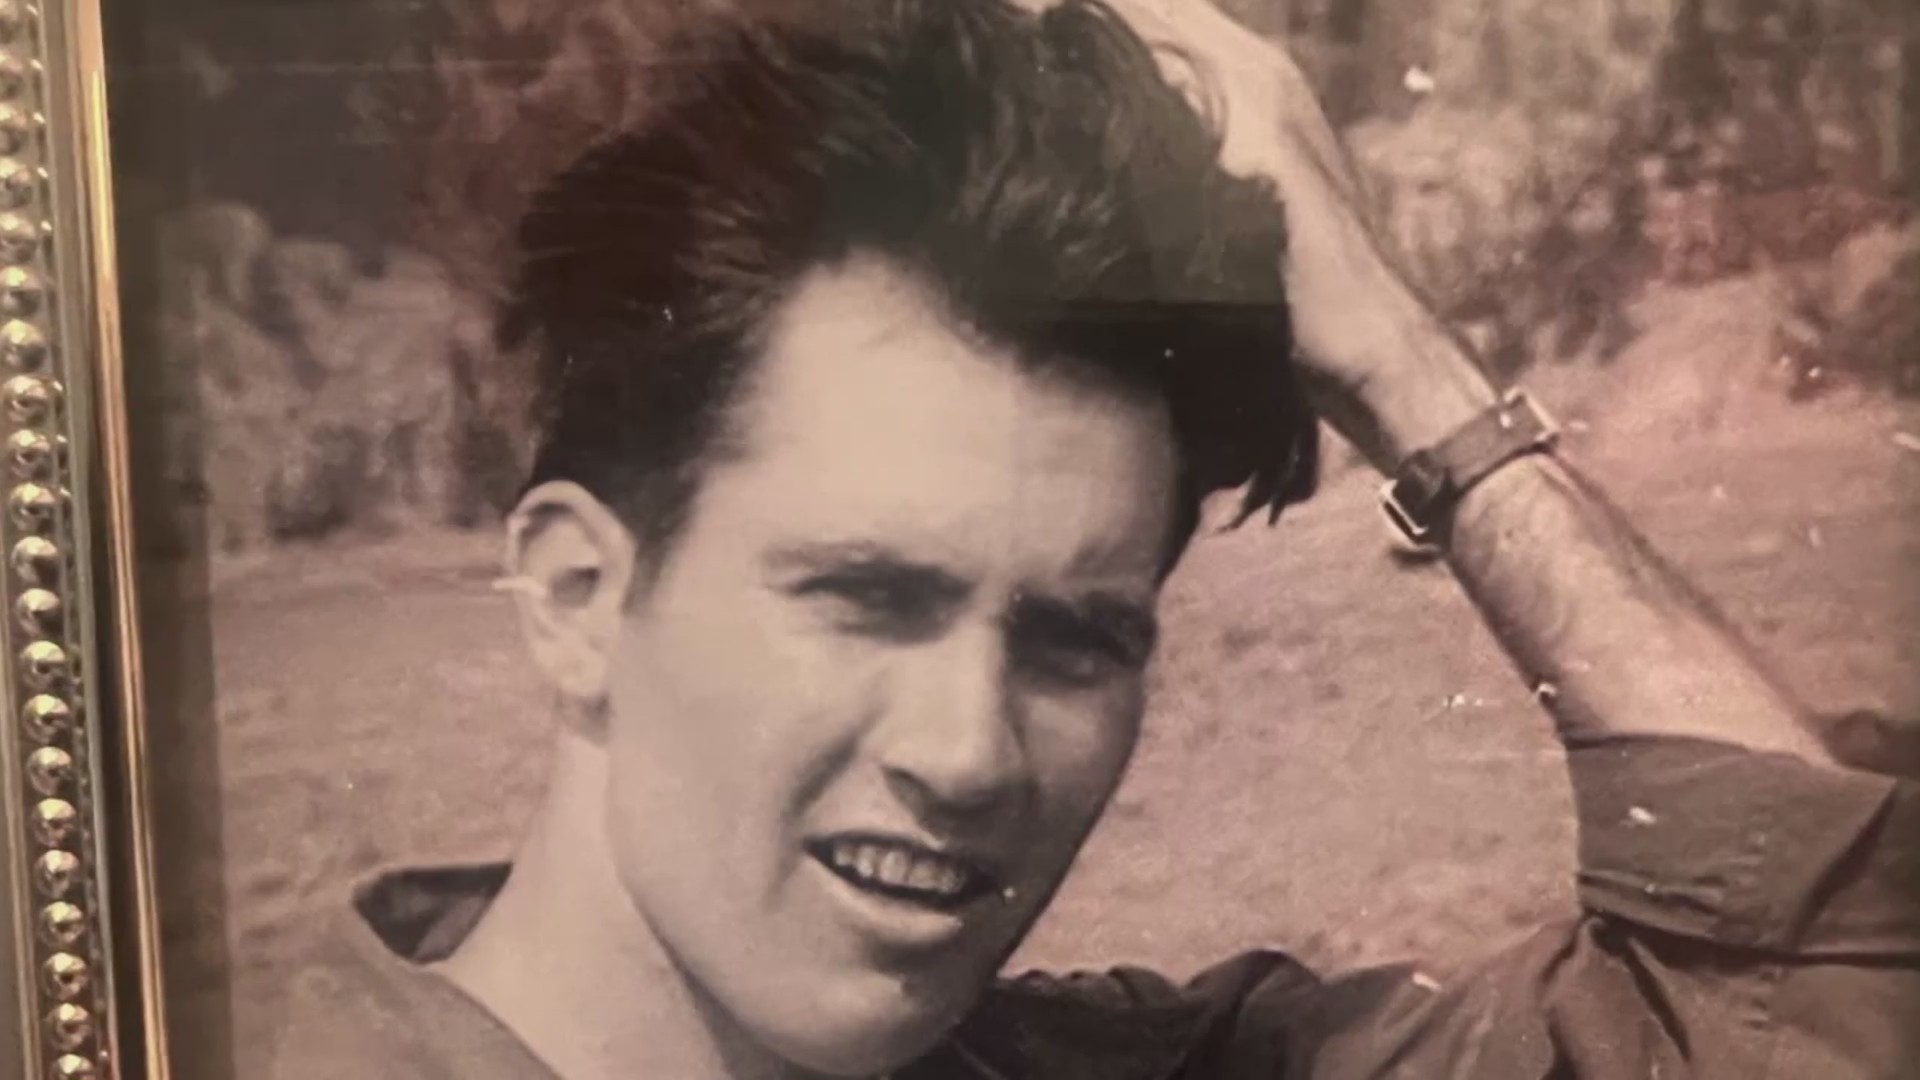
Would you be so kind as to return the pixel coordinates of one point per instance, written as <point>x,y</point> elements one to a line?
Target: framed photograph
<point>730,539</point>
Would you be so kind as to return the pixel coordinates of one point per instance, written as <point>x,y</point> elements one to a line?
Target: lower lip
<point>897,923</point>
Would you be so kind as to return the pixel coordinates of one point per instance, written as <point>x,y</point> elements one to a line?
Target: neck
<point>564,960</point>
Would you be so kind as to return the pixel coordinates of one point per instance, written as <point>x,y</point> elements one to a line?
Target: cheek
<point>1079,751</point>
<point>723,719</point>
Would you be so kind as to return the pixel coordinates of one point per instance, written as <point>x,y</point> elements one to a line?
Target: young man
<point>885,366</point>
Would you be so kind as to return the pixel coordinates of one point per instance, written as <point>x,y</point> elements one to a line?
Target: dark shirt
<point>1742,915</point>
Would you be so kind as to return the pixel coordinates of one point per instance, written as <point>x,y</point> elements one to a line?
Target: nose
<point>950,744</point>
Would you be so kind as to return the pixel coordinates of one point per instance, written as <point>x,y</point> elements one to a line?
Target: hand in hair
<point>1385,370</point>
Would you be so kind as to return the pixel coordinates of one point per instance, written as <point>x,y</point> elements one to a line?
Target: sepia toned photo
<point>1312,539</point>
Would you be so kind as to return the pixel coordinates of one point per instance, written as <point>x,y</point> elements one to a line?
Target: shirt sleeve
<point>1743,915</point>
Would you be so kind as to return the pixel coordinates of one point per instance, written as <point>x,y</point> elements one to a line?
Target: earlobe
<point>570,564</point>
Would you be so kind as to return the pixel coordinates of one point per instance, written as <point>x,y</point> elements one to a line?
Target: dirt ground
<point>1337,761</point>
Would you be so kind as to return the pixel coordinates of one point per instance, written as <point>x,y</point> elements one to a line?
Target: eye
<point>872,596</point>
<point>880,602</point>
<point>1059,648</point>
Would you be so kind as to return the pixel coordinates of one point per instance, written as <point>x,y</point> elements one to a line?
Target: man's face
<point>887,676</point>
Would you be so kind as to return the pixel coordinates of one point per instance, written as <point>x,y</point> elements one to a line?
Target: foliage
<point>323,393</point>
<point>1537,166</point>
<point>1540,162</point>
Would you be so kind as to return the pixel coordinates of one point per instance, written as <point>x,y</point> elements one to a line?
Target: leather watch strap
<point>1431,481</point>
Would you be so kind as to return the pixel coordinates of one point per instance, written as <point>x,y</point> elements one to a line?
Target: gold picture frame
<point>79,889</point>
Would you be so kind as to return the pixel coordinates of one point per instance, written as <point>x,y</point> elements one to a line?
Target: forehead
<point>875,410</point>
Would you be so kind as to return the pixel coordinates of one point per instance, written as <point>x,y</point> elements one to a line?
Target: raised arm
<point>1614,639</point>
<point>1747,908</point>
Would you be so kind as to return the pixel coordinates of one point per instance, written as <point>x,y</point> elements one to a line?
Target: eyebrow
<point>1130,620</point>
<point>864,557</point>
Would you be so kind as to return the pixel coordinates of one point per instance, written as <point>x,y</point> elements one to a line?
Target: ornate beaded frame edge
<point>77,833</point>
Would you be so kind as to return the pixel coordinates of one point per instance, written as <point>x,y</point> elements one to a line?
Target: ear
<point>571,563</point>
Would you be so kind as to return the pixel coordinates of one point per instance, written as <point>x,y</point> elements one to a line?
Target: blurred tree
<point>1536,163</point>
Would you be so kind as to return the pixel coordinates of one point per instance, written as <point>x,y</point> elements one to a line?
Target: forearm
<point>1573,593</point>
<point>1614,639</point>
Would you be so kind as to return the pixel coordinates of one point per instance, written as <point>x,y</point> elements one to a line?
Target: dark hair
<point>1036,168</point>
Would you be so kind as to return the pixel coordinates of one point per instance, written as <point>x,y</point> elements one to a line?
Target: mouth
<point>904,871</point>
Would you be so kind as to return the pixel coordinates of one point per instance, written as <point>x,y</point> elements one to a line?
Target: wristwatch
<point>1430,482</point>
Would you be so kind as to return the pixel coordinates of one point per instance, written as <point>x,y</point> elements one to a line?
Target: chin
<point>865,1031</point>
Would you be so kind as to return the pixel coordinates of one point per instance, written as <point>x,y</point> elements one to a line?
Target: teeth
<point>924,875</point>
<point>894,867</point>
<point>935,877</point>
<point>898,868</point>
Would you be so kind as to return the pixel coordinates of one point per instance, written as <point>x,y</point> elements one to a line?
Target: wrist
<point>1435,389</point>
<point>1426,489</point>
<point>1515,484</point>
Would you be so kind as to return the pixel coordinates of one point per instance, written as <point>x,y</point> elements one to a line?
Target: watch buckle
<point>1402,518</point>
